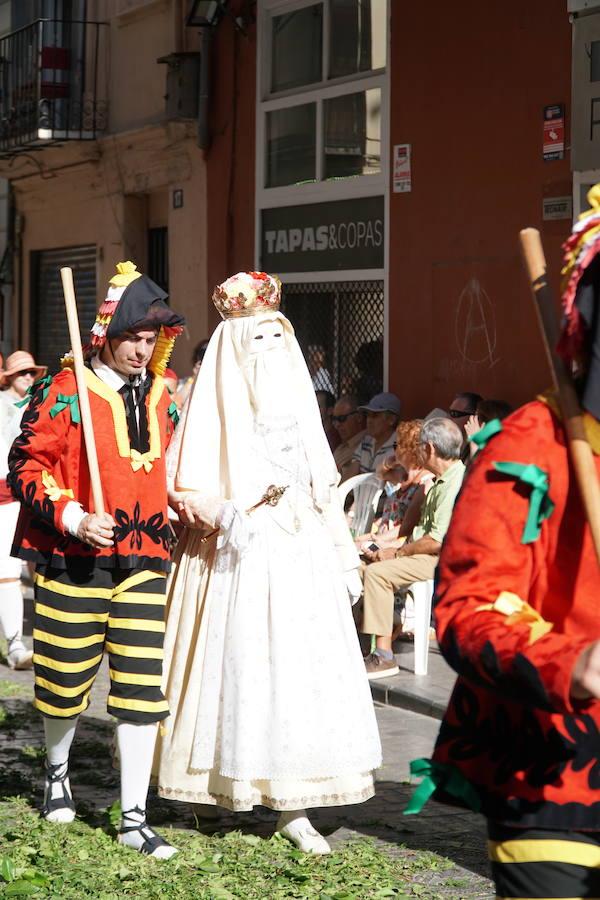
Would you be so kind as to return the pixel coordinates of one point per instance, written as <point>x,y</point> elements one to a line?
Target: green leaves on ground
<point>48,862</point>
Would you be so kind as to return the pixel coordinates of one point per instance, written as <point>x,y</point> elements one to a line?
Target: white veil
<point>220,417</point>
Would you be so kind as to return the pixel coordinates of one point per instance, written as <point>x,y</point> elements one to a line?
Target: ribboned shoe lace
<point>54,776</point>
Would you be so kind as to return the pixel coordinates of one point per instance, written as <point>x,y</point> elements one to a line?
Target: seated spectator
<point>321,379</point>
<point>349,422</point>
<point>382,413</point>
<point>409,481</point>
<point>326,402</point>
<point>486,411</point>
<point>440,445</point>
<point>185,387</point>
<point>462,407</point>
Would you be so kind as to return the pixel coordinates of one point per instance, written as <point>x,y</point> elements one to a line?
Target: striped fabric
<point>536,864</point>
<point>79,613</point>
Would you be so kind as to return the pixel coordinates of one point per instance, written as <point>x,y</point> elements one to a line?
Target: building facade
<point>379,156</point>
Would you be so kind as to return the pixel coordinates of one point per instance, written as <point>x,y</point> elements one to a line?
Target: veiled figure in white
<point>263,672</point>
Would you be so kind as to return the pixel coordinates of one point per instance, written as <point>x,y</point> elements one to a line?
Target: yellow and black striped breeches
<point>537,864</point>
<point>80,612</point>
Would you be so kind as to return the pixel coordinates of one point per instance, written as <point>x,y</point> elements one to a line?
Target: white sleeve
<point>72,515</point>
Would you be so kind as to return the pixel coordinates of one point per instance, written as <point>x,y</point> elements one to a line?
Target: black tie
<point>134,394</point>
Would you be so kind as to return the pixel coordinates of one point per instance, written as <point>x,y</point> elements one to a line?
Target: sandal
<point>58,809</point>
<point>151,840</point>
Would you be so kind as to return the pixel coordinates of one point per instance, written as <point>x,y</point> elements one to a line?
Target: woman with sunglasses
<point>20,373</point>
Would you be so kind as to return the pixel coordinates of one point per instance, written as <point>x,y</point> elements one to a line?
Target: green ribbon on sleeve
<point>481,437</point>
<point>41,382</point>
<point>540,504</point>
<point>437,775</point>
<point>62,402</point>
<point>173,412</point>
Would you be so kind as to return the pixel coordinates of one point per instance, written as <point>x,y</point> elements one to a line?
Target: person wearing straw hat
<point>16,380</point>
<point>100,579</point>
<point>518,618</point>
<point>259,613</point>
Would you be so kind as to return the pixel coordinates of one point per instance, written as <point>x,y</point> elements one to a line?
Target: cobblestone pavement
<point>424,842</point>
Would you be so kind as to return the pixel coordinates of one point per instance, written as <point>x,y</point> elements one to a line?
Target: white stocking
<point>11,609</point>
<point>295,825</point>
<point>136,751</point>
<point>59,737</point>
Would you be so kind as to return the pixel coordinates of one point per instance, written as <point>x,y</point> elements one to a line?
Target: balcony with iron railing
<point>53,84</point>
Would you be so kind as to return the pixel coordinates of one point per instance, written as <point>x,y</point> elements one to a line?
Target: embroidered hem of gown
<point>242,796</point>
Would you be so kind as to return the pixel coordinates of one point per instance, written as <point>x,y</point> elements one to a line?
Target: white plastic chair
<point>367,490</point>
<point>422,595</point>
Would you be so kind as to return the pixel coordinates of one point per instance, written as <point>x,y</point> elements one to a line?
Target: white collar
<point>113,379</point>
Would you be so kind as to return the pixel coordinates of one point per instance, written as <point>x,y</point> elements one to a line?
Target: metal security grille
<point>158,257</point>
<point>345,320</point>
<point>49,331</point>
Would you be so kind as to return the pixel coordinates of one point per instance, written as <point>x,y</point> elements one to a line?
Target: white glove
<point>236,527</point>
<point>354,585</point>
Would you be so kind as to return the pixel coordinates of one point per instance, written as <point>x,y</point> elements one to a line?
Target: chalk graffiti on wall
<point>475,326</point>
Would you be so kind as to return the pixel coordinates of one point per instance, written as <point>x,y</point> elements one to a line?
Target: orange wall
<point>230,158</point>
<point>469,83</point>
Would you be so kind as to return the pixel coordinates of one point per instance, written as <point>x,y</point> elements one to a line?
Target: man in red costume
<point>518,618</point>
<point>100,579</point>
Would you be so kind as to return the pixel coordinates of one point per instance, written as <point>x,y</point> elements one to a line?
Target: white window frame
<point>323,191</point>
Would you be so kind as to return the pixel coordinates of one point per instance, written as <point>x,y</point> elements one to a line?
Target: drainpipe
<point>203,79</point>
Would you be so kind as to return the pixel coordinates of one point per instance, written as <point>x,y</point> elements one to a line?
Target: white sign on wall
<point>402,177</point>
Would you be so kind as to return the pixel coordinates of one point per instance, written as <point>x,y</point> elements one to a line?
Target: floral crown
<point>247,294</point>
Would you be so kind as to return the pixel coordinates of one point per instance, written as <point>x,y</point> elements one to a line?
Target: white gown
<point>263,671</point>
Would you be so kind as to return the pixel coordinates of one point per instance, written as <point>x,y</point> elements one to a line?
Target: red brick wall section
<point>469,82</point>
<point>230,159</point>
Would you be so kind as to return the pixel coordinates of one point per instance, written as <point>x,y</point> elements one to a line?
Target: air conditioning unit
<point>183,71</point>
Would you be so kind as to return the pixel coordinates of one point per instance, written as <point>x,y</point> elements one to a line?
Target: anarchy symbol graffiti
<point>475,325</point>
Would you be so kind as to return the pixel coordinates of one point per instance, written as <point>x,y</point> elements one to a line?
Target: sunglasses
<point>32,372</point>
<point>460,413</point>
<point>344,417</point>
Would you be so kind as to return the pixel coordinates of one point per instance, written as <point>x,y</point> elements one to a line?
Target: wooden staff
<point>579,448</point>
<point>66,276</point>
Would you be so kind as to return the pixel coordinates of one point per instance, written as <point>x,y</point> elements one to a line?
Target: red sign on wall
<point>554,132</point>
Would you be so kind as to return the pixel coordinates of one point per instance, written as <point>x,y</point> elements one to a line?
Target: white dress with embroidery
<point>263,672</point>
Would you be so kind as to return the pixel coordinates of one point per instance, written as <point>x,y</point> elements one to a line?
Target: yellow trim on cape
<point>52,489</point>
<point>590,424</point>
<point>518,612</point>
<point>115,401</point>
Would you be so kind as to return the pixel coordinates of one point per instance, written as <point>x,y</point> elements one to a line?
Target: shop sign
<point>554,131</point>
<point>557,208</point>
<point>402,176</point>
<point>318,237</point>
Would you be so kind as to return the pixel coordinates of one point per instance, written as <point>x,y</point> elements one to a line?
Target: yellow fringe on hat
<point>162,352</point>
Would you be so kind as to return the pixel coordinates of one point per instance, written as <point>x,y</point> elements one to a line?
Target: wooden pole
<point>579,448</point>
<point>66,276</point>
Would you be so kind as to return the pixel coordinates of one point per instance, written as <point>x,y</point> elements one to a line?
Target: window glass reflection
<point>353,135</point>
<point>358,36</point>
<point>297,48</point>
<point>291,142</point>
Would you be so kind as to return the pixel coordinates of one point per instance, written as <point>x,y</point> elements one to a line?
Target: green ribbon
<point>64,400</point>
<point>173,411</point>
<point>540,504</point>
<point>41,382</point>
<point>438,775</point>
<point>481,437</point>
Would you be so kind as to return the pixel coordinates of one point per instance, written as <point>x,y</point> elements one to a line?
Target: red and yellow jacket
<point>48,468</point>
<point>512,619</point>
